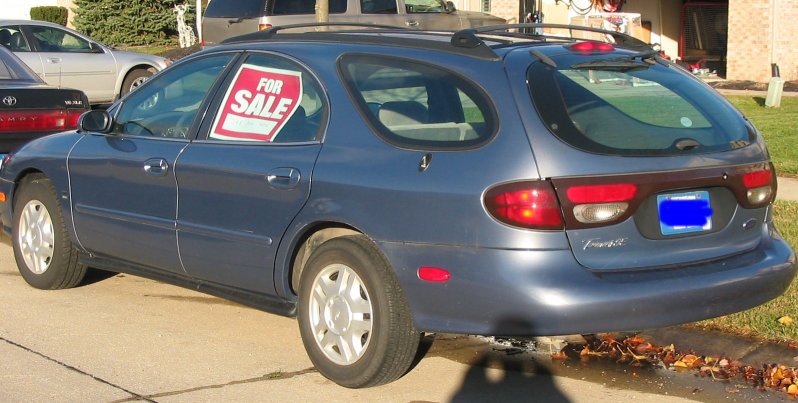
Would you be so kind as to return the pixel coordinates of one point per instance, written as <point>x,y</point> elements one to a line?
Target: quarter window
<point>167,105</point>
<point>415,105</point>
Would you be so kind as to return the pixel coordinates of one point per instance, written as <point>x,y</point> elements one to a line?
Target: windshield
<point>631,107</point>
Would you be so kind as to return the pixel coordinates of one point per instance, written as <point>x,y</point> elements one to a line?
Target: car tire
<point>134,79</point>
<point>45,255</point>
<point>354,320</point>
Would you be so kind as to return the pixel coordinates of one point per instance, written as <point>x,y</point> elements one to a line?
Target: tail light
<point>759,186</point>
<point>600,203</point>
<point>532,205</point>
<point>36,120</point>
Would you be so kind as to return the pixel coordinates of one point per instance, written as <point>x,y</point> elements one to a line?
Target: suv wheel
<point>353,317</point>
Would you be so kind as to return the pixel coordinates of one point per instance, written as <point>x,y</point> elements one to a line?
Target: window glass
<point>378,6</point>
<point>621,106</point>
<point>269,99</point>
<point>424,6</point>
<point>419,106</point>
<point>290,7</point>
<point>56,40</point>
<point>235,9</point>
<point>167,104</point>
<point>12,38</point>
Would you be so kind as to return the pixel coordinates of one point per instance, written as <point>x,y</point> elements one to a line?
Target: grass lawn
<point>763,321</point>
<point>779,126</point>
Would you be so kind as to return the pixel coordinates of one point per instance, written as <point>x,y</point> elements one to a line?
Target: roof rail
<point>469,37</point>
<point>270,32</point>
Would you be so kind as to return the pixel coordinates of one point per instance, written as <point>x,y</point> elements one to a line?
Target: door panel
<point>123,186</point>
<point>240,187</point>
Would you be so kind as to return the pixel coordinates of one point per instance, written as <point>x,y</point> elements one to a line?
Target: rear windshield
<point>235,9</point>
<point>626,107</point>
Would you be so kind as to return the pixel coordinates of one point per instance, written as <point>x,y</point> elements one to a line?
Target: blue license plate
<point>681,213</point>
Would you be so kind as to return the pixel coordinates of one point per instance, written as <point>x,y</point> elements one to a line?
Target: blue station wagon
<point>381,183</point>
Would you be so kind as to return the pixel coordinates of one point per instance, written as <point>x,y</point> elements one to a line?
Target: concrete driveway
<point>123,338</point>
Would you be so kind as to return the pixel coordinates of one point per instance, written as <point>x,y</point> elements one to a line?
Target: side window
<point>56,40</point>
<point>269,99</point>
<point>419,106</point>
<point>423,6</point>
<point>12,38</point>
<point>294,7</point>
<point>167,104</point>
<point>378,6</point>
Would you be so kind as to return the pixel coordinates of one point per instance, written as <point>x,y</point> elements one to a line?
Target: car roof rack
<point>469,37</point>
<point>271,32</point>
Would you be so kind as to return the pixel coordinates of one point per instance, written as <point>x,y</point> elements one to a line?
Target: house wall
<point>761,33</point>
<point>20,9</point>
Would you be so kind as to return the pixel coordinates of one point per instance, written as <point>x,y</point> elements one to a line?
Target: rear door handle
<point>411,23</point>
<point>283,178</point>
<point>54,60</point>
<point>156,166</point>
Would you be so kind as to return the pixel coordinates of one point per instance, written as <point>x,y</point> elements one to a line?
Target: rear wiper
<point>646,59</point>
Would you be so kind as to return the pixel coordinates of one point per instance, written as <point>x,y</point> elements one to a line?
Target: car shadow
<point>498,375</point>
<point>95,276</point>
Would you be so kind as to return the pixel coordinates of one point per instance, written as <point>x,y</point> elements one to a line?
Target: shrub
<point>52,14</point>
<point>135,22</point>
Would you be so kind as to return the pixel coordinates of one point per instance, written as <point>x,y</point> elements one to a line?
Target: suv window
<point>378,6</point>
<point>631,108</point>
<point>269,99</point>
<point>419,106</point>
<point>235,9</point>
<point>292,7</point>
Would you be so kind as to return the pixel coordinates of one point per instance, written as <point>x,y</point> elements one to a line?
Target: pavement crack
<point>134,395</point>
<point>273,376</point>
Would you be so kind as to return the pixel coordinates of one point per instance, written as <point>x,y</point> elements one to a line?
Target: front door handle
<point>283,178</point>
<point>156,166</point>
<point>411,23</point>
<point>54,60</point>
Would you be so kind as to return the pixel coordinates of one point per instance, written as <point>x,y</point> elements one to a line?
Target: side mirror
<point>449,7</point>
<point>98,120</point>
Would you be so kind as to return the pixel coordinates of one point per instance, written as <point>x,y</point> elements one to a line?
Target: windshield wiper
<point>646,59</point>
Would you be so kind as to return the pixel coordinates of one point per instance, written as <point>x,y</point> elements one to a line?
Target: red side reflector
<point>434,274</point>
<point>757,178</point>
<point>532,205</point>
<point>2,197</point>
<point>592,47</point>
<point>612,193</point>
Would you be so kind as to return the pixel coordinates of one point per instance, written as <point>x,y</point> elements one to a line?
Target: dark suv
<point>227,18</point>
<point>379,184</point>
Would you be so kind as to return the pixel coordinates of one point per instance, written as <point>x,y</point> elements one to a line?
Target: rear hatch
<point>651,167</point>
<point>227,18</point>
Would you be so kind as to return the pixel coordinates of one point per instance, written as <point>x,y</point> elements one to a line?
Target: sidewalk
<point>788,189</point>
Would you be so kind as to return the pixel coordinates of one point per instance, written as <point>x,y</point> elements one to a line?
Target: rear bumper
<point>533,292</point>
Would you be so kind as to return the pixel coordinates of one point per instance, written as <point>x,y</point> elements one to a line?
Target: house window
<point>485,6</point>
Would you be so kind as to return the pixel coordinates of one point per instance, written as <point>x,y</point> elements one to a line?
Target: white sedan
<point>65,58</point>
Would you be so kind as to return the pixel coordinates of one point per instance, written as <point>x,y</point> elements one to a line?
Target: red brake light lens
<point>592,47</point>
<point>532,205</point>
<point>757,178</point>
<point>72,118</point>
<point>32,120</point>
<point>619,192</point>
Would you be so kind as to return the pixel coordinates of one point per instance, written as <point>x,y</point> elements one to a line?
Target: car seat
<point>398,113</point>
<point>5,37</point>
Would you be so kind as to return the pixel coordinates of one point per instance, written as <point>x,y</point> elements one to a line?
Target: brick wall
<point>760,33</point>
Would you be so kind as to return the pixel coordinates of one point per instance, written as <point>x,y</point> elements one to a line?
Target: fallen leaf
<point>792,390</point>
<point>786,320</point>
<point>559,356</point>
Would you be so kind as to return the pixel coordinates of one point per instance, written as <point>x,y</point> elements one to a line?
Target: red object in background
<point>611,6</point>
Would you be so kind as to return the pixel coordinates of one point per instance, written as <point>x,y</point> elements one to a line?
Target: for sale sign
<point>258,104</point>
